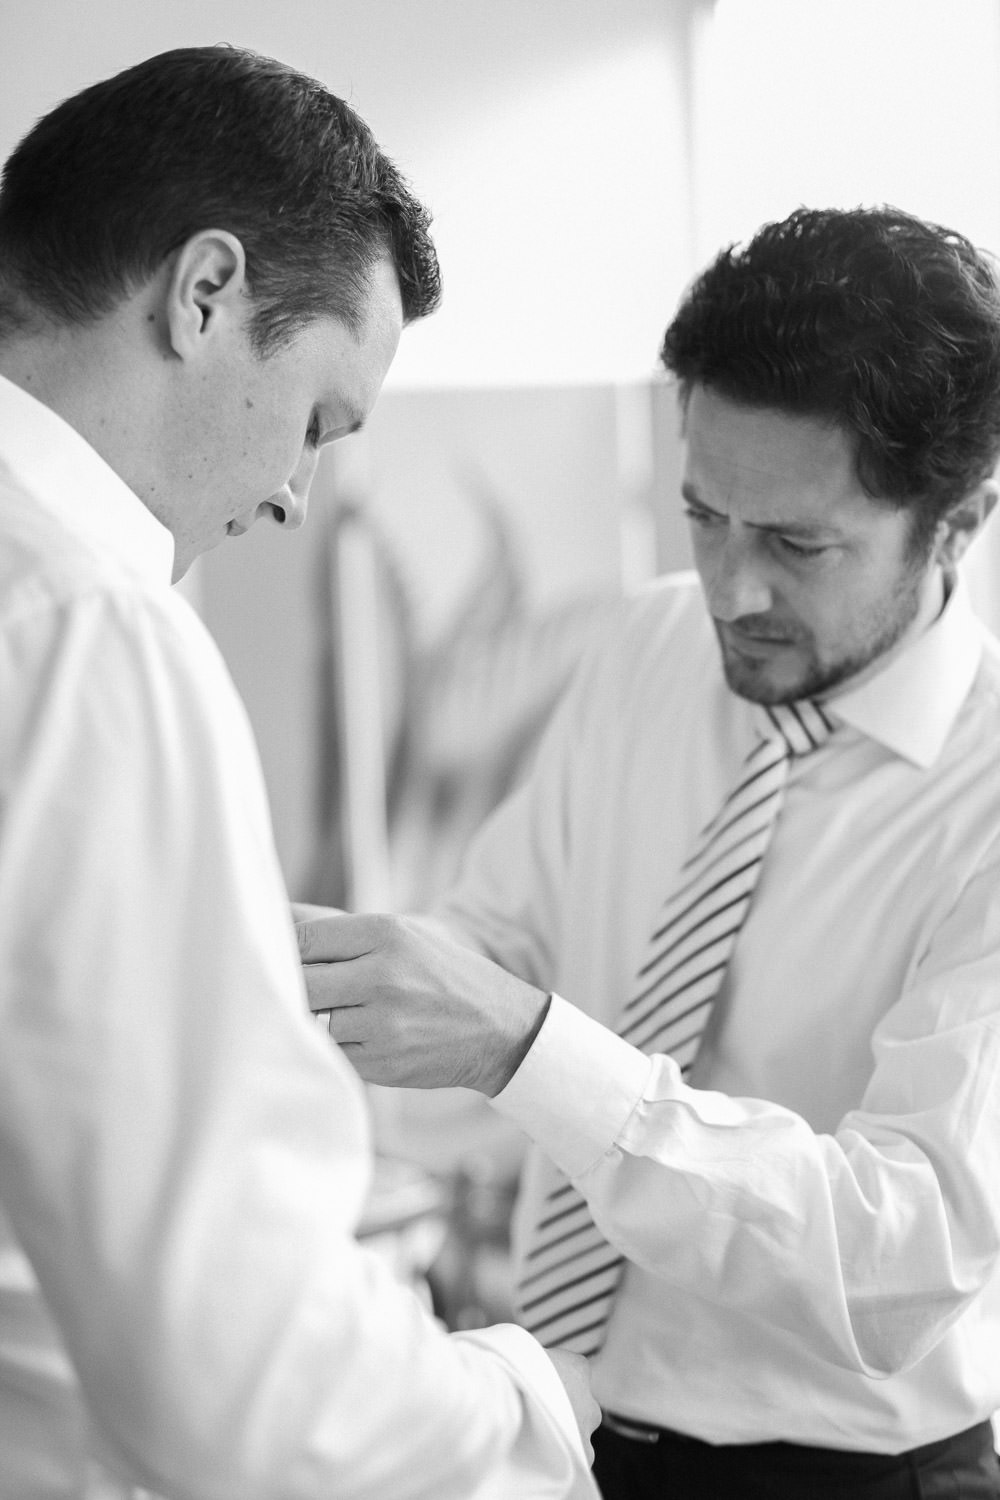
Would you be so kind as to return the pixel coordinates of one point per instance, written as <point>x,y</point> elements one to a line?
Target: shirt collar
<point>64,473</point>
<point>911,706</point>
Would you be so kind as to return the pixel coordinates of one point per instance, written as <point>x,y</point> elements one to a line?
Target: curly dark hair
<point>113,180</point>
<point>874,319</point>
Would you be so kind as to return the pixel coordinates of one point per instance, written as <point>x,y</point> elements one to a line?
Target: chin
<point>812,682</point>
<point>761,683</point>
<point>764,693</point>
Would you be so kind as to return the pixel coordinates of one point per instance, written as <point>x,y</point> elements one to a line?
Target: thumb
<point>326,939</point>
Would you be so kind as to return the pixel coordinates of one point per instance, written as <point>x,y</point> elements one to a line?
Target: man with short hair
<point>205,265</point>
<point>749,906</point>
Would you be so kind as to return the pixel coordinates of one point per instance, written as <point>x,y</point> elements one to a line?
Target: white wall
<point>548,136</point>
<point>839,102</point>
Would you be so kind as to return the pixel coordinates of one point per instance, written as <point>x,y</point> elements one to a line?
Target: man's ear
<point>962,524</point>
<point>204,290</point>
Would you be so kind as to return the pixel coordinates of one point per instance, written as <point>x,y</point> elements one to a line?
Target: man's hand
<point>574,1372</point>
<point>414,1009</point>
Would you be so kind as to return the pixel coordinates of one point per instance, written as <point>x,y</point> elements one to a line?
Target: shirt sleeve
<point>868,1242</point>
<point>182,1156</point>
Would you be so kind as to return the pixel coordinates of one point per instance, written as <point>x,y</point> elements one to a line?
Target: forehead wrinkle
<point>728,492</point>
<point>786,527</point>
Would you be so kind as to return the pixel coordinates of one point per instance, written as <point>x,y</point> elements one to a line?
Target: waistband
<point>790,1454</point>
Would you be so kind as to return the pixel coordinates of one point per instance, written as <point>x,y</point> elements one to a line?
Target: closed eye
<point>701,517</point>
<point>799,549</point>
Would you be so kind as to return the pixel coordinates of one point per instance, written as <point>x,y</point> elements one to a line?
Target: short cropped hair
<point>879,322</point>
<point>104,188</point>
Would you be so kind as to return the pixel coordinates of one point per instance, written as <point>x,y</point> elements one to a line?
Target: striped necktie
<point>570,1273</point>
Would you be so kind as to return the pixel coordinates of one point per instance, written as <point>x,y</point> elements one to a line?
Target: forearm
<point>868,1243</point>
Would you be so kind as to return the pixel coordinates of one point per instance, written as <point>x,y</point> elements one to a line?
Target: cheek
<point>851,609</point>
<point>817,607</point>
<point>272,445</point>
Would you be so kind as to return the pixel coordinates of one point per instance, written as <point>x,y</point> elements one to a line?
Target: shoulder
<point>668,604</point>
<point>657,655</point>
<point>978,721</point>
<point>52,572</point>
<point>976,732</point>
<point>988,679</point>
<point>79,624</point>
<point>666,629</point>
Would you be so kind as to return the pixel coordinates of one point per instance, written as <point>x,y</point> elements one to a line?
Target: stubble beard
<point>817,679</point>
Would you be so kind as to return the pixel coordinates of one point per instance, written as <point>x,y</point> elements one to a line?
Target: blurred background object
<point>400,656</point>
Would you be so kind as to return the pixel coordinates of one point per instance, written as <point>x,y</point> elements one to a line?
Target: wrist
<point>524,1022</point>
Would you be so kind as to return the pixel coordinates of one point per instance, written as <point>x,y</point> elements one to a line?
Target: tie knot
<point>803,726</point>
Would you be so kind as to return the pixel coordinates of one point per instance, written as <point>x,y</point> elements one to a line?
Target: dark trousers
<point>673,1467</point>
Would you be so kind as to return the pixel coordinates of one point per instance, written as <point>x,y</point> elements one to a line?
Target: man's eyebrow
<point>782,528</point>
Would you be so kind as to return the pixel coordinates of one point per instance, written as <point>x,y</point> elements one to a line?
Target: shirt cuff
<point>557,1447</point>
<point>575,1089</point>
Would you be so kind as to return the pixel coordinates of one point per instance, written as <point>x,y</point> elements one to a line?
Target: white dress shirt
<point>812,1226</point>
<point>183,1158</point>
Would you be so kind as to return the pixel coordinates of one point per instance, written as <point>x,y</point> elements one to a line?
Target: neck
<point>90,377</point>
<point>66,369</point>
<point>933,598</point>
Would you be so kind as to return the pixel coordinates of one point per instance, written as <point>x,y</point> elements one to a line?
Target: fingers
<point>343,1027</point>
<point>351,1050</point>
<point>331,938</point>
<point>333,986</point>
<point>574,1371</point>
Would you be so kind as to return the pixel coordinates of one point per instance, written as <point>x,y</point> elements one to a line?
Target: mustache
<point>758,628</point>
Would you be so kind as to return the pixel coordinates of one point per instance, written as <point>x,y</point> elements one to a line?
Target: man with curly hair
<point>747,907</point>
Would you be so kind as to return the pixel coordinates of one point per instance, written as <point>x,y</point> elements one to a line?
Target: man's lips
<point>752,640</point>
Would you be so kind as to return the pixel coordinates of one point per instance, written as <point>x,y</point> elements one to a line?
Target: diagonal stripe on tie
<point>565,1305</point>
<point>541,1276</point>
<point>563,1218</point>
<point>570,1273</point>
<point>707,946</point>
<point>586,1277</point>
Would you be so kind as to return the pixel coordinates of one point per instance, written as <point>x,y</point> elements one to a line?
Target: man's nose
<point>285,508</point>
<point>738,582</point>
<point>290,505</point>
